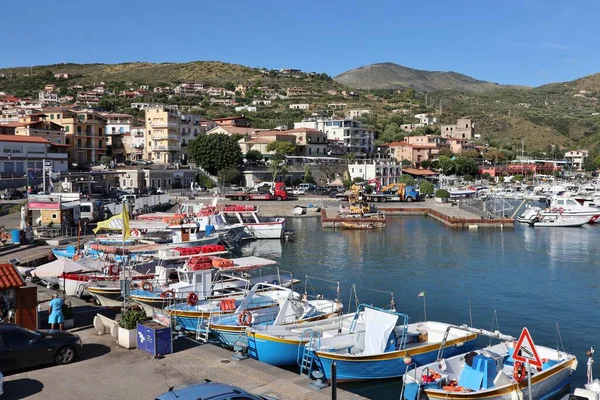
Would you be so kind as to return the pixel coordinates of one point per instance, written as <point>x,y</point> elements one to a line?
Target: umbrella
<point>58,268</point>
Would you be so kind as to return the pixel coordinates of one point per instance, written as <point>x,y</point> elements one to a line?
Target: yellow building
<point>162,139</point>
<point>84,132</point>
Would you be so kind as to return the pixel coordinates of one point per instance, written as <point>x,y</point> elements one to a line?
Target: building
<point>189,89</point>
<point>90,99</point>
<point>133,143</point>
<point>427,140</point>
<point>230,130</point>
<point>413,153</point>
<point>337,106</point>
<point>190,128</point>
<point>300,106</point>
<point>457,145</point>
<point>261,102</point>
<point>117,123</point>
<point>309,142</point>
<point>297,92</point>
<point>162,142</point>
<point>463,129</point>
<point>84,131</point>
<point>46,97</point>
<point>223,102</point>
<point>19,154</point>
<point>411,127</point>
<point>242,89</point>
<point>61,76</point>
<point>35,125</point>
<point>577,159</point>
<point>245,108</point>
<point>261,140</point>
<point>157,176</point>
<point>357,113</point>
<point>351,133</point>
<point>49,88</point>
<point>426,119</point>
<point>384,171</point>
<point>233,121</point>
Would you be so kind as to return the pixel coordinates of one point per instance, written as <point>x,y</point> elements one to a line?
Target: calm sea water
<point>533,277</point>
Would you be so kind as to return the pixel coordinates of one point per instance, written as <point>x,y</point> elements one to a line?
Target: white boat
<point>256,226</point>
<point>591,390</point>
<point>558,220</point>
<point>490,373</point>
<point>563,207</point>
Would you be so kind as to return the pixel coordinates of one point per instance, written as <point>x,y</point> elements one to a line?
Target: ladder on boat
<point>203,328</point>
<point>409,367</point>
<point>305,357</point>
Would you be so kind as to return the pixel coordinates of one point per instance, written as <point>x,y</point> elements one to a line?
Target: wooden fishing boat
<point>356,225</point>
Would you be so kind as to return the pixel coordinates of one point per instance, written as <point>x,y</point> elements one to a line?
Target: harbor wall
<point>450,220</point>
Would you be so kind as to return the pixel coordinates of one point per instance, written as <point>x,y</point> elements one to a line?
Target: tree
<point>253,155</point>
<point>494,156</point>
<point>406,163</point>
<point>105,160</point>
<point>229,175</point>
<point>445,151</point>
<point>442,194</point>
<point>215,152</point>
<point>426,187</point>
<point>518,178</point>
<point>308,178</point>
<point>447,165</point>
<point>425,164</point>
<point>405,178</point>
<point>229,86</point>
<point>486,176</point>
<point>281,148</point>
<point>358,179</point>
<point>590,166</point>
<point>466,166</point>
<point>470,153</point>
<point>469,178</point>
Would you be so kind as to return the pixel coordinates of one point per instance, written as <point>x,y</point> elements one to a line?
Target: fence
<point>141,203</point>
<point>491,207</point>
<point>51,233</point>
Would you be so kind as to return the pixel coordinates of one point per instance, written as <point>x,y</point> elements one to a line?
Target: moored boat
<point>357,225</point>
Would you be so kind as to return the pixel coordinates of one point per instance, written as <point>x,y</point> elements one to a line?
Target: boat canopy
<point>379,326</point>
<point>247,263</point>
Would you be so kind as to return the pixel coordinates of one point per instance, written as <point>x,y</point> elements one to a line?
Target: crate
<point>154,338</point>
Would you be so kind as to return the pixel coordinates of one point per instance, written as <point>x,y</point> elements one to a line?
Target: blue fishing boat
<point>291,308</point>
<point>381,343</point>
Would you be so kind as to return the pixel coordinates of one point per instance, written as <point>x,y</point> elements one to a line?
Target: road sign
<point>525,350</point>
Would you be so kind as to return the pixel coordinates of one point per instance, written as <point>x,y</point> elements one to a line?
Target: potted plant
<point>442,195</point>
<point>128,327</point>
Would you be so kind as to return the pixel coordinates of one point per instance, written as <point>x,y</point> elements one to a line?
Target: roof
<point>9,277</point>
<point>233,130</point>
<point>229,118</point>
<point>420,172</point>
<point>307,130</point>
<point>23,139</point>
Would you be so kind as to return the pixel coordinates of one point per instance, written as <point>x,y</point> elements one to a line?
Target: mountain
<point>394,76</point>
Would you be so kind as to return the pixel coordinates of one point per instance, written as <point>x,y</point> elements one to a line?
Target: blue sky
<point>528,42</point>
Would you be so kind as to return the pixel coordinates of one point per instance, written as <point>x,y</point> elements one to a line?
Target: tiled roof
<point>9,277</point>
<point>414,171</point>
<point>23,139</point>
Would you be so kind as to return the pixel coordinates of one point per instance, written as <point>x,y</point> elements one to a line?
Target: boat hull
<point>271,350</point>
<point>544,386</point>
<point>265,230</point>
<point>386,365</point>
<point>106,297</point>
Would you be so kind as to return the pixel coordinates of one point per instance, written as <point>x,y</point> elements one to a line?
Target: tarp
<point>59,267</point>
<point>378,325</point>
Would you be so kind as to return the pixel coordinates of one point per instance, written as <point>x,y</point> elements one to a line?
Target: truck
<point>394,192</point>
<point>275,192</point>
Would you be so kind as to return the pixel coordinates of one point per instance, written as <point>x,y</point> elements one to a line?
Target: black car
<point>24,348</point>
<point>13,195</point>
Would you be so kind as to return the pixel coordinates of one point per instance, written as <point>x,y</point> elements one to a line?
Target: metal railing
<point>491,207</point>
<point>60,232</point>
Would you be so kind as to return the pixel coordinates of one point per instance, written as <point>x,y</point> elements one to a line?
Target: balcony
<point>165,148</point>
<point>159,124</point>
<point>166,137</point>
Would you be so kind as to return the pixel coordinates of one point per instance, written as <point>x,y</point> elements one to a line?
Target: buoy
<point>407,359</point>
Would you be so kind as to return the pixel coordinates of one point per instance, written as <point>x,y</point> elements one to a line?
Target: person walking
<point>56,313</point>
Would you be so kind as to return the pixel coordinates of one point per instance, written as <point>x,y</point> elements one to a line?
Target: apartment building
<point>261,140</point>
<point>190,128</point>
<point>189,89</point>
<point>117,123</point>
<point>356,139</point>
<point>457,145</point>
<point>232,121</point>
<point>577,159</point>
<point>162,141</point>
<point>133,143</point>
<point>411,127</point>
<point>299,106</point>
<point>357,113</point>
<point>309,142</point>
<point>35,125</point>
<point>84,131</point>
<point>19,154</point>
<point>297,92</point>
<point>413,153</point>
<point>426,119</point>
<point>384,171</point>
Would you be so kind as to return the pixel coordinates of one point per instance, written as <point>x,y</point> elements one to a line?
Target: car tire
<point>409,199</point>
<point>85,221</point>
<point>279,198</point>
<point>65,355</point>
<point>240,198</point>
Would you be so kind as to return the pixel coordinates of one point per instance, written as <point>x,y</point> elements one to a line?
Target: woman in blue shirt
<point>55,311</point>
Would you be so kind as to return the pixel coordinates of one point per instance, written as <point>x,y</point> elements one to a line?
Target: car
<point>210,390</point>
<point>129,198</point>
<point>161,191</point>
<point>12,195</point>
<point>299,192</point>
<point>24,348</point>
<point>117,194</point>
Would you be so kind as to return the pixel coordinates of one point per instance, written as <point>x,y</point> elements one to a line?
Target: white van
<point>91,211</point>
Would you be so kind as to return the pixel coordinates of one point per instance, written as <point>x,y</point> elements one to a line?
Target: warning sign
<point>525,350</point>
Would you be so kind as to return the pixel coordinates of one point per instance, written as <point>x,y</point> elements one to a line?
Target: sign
<point>525,350</point>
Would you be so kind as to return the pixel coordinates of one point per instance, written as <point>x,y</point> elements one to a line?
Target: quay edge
<point>451,221</point>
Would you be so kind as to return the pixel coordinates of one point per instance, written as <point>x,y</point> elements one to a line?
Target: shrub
<point>442,194</point>
<point>130,318</point>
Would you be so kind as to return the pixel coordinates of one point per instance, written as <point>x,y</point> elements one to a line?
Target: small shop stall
<point>18,302</point>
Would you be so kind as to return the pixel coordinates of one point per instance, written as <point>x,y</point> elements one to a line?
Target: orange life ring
<point>519,372</point>
<point>147,286</point>
<point>192,298</point>
<point>135,232</point>
<point>245,318</point>
<point>168,294</point>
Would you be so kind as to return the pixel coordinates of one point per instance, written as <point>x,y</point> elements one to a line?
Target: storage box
<point>154,338</point>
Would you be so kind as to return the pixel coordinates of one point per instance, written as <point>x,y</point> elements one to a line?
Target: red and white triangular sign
<point>525,350</point>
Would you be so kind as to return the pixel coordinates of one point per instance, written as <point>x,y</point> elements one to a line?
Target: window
<point>85,208</point>
<point>57,116</point>
<point>67,128</point>
<point>51,116</point>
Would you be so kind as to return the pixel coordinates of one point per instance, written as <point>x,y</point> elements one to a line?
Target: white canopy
<point>379,325</point>
<point>59,267</point>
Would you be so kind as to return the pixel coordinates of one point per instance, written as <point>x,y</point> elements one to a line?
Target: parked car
<point>12,194</point>
<point>117,194</point>
<point>210,390</point>
<point>24,348</point>
<point>299,192</point>
<point>148,191</point>
<point>129,198</point>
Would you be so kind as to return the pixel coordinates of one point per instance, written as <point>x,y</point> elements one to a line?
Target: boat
<point>256,226</point>
<point>490,373</point>
<point>558,220</point>
<point>591,390</point>
<point>291,309</point>
<point>560,206</point>
<point>356,225</point>
<point>382,345</point>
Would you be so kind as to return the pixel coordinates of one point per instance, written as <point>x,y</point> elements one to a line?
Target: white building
<point>19,154</point>
<point>245,108</point>
<point>261,102</point>
<point>426,119</point>
<point>357,113</point>
<point>385,171</point>
<point>117,123</point>
<point>355,137</point>
<point>46,97</point>
<point>301,106</point>
<point>577,159</point>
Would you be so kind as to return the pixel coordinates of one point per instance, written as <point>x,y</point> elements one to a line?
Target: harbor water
<point>540,278</point>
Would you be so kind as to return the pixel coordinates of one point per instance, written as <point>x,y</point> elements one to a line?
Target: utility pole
<point>440,108</point>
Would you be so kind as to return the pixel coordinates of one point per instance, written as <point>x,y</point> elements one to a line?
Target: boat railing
<point>465,328</point>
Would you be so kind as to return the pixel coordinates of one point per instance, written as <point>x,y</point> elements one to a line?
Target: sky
<point>525,42</point>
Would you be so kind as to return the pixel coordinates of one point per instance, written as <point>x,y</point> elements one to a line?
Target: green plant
<point>426,187</point>
<point>442,194</point>
<point>130,318</point>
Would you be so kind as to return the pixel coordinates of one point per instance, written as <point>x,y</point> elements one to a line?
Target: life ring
<point>245,318</point>
<point>519,372</point>
<point>168,294</point>
<point>192,298</point>
<point>561,210</point>
<point>135,232</point>
<point>114,269</point>
<point>147,286</point>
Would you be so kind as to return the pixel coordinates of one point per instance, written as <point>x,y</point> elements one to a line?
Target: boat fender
<point>147,286</point>
<point>245,318</point>
<point>574,365</point>
<point>519,372</point>
<point>518,395</point>
<point>192,298</point>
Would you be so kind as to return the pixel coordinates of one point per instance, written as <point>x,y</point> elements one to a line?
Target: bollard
<point>334,381</point>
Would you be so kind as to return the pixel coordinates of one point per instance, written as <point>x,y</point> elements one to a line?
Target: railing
<point>487,207</point>
<point>49,233</point>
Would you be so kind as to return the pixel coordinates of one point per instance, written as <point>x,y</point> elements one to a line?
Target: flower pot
<point>127,338</point>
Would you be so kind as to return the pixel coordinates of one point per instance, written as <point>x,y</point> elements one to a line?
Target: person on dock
<point>56,313</point>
